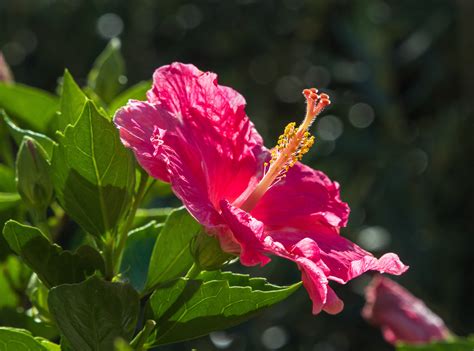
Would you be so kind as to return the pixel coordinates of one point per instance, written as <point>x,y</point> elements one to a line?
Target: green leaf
<point>33,107</point>
<point>19,318</point>
<point>50,346</point>
<point>50,262</point>
<point>10,276</point>
<point>92,314</point>
<point>13,339</point>
<point>454,344</point>
<point>93,173</point>
<point>136,92</point>
<point>18,134</point>
<point>141,339</point>
<point>171,255</point>
<point>186,309</point>
<point>108,71</point>
<point>9,200</point>
<point>137,254</point>
<point>38,295</point>
<point>7,179</point>
<point>71,103</point>
<point>145,215</point>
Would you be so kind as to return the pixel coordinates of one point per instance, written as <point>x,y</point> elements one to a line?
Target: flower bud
<point>32,175</point>
<point>5,73</point>
<point>207,252</point>
<point>401,316</point>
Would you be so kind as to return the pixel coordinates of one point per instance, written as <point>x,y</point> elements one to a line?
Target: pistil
<point>291,147</point>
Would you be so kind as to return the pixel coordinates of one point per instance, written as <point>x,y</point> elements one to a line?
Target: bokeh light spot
<point>14,53</point>
<point>329,127</point>
<point>361,115</point>
<point>189,16</point>
<point>109,25</point>
<point>274,338</point>
<point>374,238</point>
<point>221,339</point>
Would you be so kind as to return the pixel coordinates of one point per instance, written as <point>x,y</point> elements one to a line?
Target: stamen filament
<point>291,147</point>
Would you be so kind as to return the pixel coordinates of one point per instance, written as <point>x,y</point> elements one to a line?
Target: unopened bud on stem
<point>32,175</point>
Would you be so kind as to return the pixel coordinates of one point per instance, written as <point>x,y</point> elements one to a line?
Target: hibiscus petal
<point>334,304</point>
<point>195,134</point>
<point>304,199</point>
<point>314,281</point>
<point>136,123</point>
<point>254,241</point>
<point>247,232</point>
<point>156,138</point>
<point>345,259</point>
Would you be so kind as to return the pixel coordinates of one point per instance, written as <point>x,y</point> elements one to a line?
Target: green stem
<point>41,221</point>
<point>142,189</point>
<point>139,341</point>
<point>193,271</point>
<point>108,250</point>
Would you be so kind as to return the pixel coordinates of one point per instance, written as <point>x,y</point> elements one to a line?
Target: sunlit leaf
<point>13,339</point>
<point>50,262</point>
<point>136,92</point>
<point>186,309</point>
<point>171,255</point>
<point>93,173</point>
<point>106,77</point>
<point>32,107</point>
<point>72,103</point>
<point>454,344</point>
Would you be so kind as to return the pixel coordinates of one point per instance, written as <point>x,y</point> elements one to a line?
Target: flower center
<point>291,146</point>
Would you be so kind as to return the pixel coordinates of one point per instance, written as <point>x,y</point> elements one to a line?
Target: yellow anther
<point>290,147</point>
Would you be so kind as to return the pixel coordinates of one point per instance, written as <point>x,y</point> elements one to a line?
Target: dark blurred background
<point>398,136</point>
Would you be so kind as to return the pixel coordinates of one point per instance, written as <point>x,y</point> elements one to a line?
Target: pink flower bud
<point>401,316</point>
<point>5,73</point>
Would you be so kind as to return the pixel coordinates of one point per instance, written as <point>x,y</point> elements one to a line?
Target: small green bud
<point>32,175</point>
<point>207,252</point>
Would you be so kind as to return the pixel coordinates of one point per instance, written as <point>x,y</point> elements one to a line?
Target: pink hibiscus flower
<point>194,134</point>
<point>401,316</point>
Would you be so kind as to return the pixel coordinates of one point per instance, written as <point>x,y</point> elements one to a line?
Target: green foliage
<point>38,295</point>
<point>32,107</point>
<point>10,281</point>
<point>137,254</point>
<point>106,76</point>
<point>92,314</point>
<point>136,92</point>
<point>52,265</point>
<point>7,179</point>
<point>13,339</point>
<point>9,200</point>
<point>171,255</point>
<point>186,309</point>
<point>18,134</point>
<point>93,173</point>
<point>454,344</point>
<point>71,103</point>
